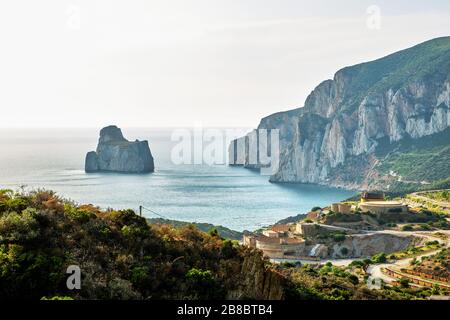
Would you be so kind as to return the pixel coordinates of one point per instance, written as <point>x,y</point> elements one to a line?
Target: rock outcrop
<point>256,281</point>
<point>367,245</point>
<point>117,154</point>
<point>333,138</point>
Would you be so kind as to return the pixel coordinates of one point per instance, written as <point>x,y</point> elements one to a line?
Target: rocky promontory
<point>349,125</point>
<point>117,154</point>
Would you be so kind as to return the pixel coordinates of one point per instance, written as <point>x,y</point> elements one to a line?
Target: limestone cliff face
<point>359,246</point>
<point>256,281</point>
<point>404,95</point>
<point>117,154</point>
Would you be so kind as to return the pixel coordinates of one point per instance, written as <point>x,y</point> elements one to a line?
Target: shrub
<point>344,251</point>
<point>203,284</point>
<point>379,258</point>
<point>139,275</point>
<point>357,263</point>
<point>404,282</point>
<point>16,204</point>
<point>214,233</point>
<point>16,227</point>
<point>78,215</point>
<point>407,227</point>
<point>338,237</point>
<point>353,279</point>
<point>57,298</point>
<point>228,250</point>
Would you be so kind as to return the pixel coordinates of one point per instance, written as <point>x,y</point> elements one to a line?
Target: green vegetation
<point>341,283</point>
<point>407,227</point>
<point>379,258</point>
<point>427,61</point>
<point>442,195</point>
<point>415,251</point>
<point>417,160</point>
<point>436,265</point>
<point>404,282</point>
<point>120,255</point>
<point>338,237</point>
<point>205,227</point>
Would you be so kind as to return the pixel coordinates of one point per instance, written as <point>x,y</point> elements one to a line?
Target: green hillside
<point>416,160</point>
<point>122,257</point>
<point>205,227</point>
<point>428,61</point>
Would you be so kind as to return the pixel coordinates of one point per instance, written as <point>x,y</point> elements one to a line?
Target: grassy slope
<point>429,61</point>
<point>436,265</point>
<point>427,158</point>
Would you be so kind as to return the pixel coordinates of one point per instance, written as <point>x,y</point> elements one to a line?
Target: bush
<point>408,227</point>
<point>16,227</point>
<point>357,263</point>
<point>344,251</point>
<point>214,233</point>
<point>379,258</point>
<point>78,215</point>
<point>338,237</point>
<point>57,298</point>
<point>139,275</point>
<point>228,250</point>
<point>353,279</point>
<point>404,282</point>
<point>203,284</point>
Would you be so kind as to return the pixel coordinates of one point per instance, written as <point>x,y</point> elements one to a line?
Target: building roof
<point>280,227</point>
<point>372,195</point>
<point>383,204</point>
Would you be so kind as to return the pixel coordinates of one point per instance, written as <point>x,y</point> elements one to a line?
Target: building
<point>372,196</point>
<point>382,207</point>
<point>314,215</point>
<point>276,242</point>
<point>275,247</point>
<point>341,207</point>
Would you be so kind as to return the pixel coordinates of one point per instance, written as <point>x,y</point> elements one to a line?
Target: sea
<point>234,197</point>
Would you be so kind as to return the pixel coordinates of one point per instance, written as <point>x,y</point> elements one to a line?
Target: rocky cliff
<point>117,154</point>
<point>256,281</point>
<point>333,139</point>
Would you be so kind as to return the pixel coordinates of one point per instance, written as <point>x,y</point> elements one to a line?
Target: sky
<point>180,63</point>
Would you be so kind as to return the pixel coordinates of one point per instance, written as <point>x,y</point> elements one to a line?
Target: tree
<point>203,283</point>
<point>379,258</point>
<point>214,233</point>
<point>404,282</point>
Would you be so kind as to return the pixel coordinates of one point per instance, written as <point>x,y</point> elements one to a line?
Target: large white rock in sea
<point>117,154</point>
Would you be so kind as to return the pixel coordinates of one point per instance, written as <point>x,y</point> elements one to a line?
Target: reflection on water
<point>230,196</point>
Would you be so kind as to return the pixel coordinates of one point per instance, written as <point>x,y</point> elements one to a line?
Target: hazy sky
<point>156,63</point>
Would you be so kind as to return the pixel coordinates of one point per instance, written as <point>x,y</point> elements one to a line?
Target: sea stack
<point>117,154</point>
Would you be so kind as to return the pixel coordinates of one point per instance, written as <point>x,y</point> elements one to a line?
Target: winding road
<point>375,271</point>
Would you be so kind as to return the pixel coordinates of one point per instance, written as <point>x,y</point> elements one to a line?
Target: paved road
<point>419,195</point>
<point>402,263</point>
<point>375,270</point>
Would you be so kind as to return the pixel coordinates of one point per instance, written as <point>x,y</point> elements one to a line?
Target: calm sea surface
<point>233,197</point>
